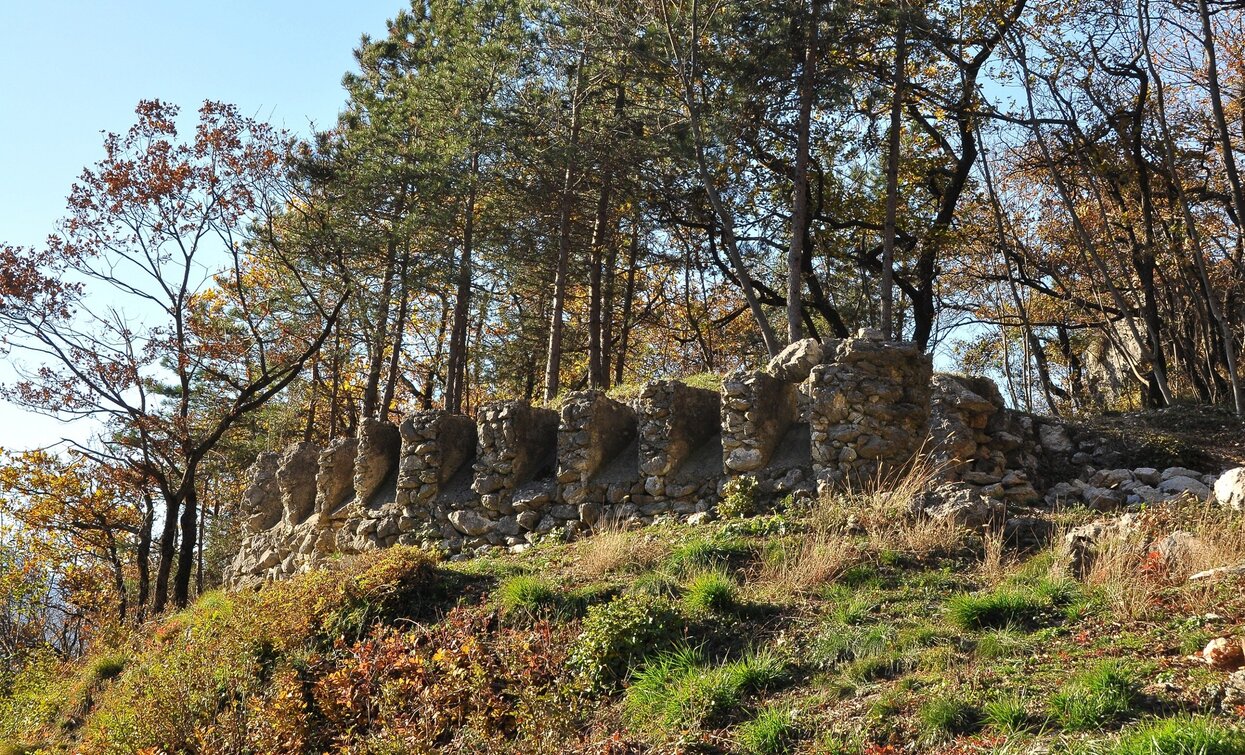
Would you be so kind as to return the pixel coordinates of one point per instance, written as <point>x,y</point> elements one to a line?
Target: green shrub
<point>739,498</point>
<point>527,595</point>
<point>710,592</point>
<point>839,645</point>
<point>772,732</point>
<point>949,717</point>
<point>618,634</point>
<point>1176,736</point>
<point>107,666</point>
<point>681,691</point>
<point>1103,695</point>
<point>1006,714</point>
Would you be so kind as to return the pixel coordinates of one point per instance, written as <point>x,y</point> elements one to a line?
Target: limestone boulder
<point>1224,654</point>
<point>961,504</point>
<point>470,523</point>
<point>1180,484</point>
<point>1230,489</point>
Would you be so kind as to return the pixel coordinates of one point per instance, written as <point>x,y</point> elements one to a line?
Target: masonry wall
<point>819,417</point>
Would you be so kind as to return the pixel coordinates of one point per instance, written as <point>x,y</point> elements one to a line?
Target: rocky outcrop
<point>596,431</point>
<point>680,446</point>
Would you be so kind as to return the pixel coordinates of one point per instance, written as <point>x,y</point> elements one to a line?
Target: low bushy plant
<point>993,610</point>
<point>619,634</point>
<point>1176,736</point>
<point>706,554</point>
<point>526,594</point>
<point>1006,714</point>
<point>948,716</point>
<point>739,498</point>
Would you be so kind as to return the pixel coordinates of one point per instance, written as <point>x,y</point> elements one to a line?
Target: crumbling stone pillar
<point>335,475</point>
<point>296,477</point>
<point>517,443</point>
<point>869,411</point>
<point>680,446</point>
<point>377,457</point>
<point>261,501</point>
<point>757,410</point>
<point>595,430</point>
<point>435,446</point>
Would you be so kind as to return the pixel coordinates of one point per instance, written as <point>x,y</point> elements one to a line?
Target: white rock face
<point>1230,489</point>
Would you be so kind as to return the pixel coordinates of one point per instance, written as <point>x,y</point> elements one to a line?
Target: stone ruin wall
<point>820,417</point>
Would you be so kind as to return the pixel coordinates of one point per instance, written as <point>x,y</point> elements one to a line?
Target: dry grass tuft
<point>885,512</point>
<point>814,560</point>
<point>1173,542</point>
<point>611,550</point>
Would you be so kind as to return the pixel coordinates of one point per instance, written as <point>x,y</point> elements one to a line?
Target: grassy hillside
<point>849,627</point>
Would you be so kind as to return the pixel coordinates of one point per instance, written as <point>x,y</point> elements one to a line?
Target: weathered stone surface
<point>1178,484</point>
<point>1224,654</point>
<point>752,434</point>
<point>793,363</point>
<point>594,431</point>
<point>1054,438</point>
<point>335,474</point>
<point>1230,489</point>
<point>869,411</point>
<point>379,445</point>
<point>960,503</point>
<point>296,478</point>
<point>469,523</point>
<point>261,502</point>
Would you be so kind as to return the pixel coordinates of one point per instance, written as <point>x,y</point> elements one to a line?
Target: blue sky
<point>71,69</point>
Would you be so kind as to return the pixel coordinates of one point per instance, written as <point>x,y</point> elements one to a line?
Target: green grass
<point>1006,714</point>
<point>107,666</point>
<point>993,610</point>
<point>1176,736</point>
<point>773,731</point>
<point>945,716</point>
<point>710,592</point>
<point>703,554</point>
<point>1103,695</point>
<point>525,594</point>
<point>681,691</point>
<point>1003,642</point>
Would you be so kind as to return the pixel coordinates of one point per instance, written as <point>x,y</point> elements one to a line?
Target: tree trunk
<point>553,361</point>
<point>186,549</point>
<point>597,377</point>
<point>799,198</point>
<point>142,557</point>
<point>376,360</point>
<point>620,357</point>
<point>886,294</point>
<point>399,333</point>
<point>168,548</point>
<point>456,370</point>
